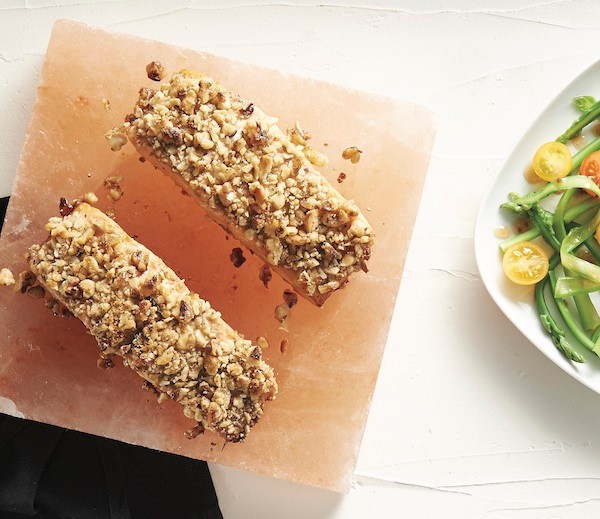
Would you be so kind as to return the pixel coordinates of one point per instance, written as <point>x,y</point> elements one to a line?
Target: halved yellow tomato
<point>552,161</point>
<point>525,263</point>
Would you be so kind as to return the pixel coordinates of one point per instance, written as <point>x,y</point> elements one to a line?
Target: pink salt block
<point>311,434</point>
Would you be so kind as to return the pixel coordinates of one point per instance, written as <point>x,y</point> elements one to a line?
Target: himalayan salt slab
<point>311,433</point>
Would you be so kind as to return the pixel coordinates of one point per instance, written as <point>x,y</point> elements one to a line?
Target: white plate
<point>517,302</point>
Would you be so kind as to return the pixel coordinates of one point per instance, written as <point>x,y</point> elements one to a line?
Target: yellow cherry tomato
<point>525,263</point>
<point>552,161</point>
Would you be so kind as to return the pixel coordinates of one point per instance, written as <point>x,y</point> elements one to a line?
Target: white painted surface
<point>469,420</point>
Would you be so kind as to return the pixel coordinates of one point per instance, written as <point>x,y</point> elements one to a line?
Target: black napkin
<point>52,473</point>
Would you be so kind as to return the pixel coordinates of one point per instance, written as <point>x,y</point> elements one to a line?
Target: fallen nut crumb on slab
<point>155,71</point>
<point>290,297</point>
<point>283,345</point>
<point>138,308</point>
<point>113,184</point>
<point>6,278</point>
<point>237,257</point>
<point>253,179</point>
<point>352,154</point>
<point>265,275</point>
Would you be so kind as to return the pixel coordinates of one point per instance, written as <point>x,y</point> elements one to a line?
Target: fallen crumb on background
<point>64,207</point>
<point>352,154</point>
<point>113,184</point>
<point>106,103</point>
<point>237,257</point>
<point>6,278</point>
<point>90,198</point>
<point>282,315</point>
<point>290,297</point>
<point>194,432</point>
<point>283,346</point>
<point>116,139</point>
<point>105,363</point>
<point>155,70</point>
<point>262,342</point>
<point>265,275</point>
<point>341,177</point>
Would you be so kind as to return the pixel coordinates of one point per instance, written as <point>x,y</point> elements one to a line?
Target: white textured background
<point>469,420</point>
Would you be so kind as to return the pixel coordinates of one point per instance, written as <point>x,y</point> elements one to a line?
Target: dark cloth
<point>52,473</point>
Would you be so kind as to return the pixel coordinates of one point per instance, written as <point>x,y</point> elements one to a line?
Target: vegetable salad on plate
<point>559,249</point>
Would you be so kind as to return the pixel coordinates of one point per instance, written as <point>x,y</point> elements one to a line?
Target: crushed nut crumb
<point>105,363</point>
<point>106,103</point>
<point>90,198</point>
<point>194,432</point>
<point>237,257</point>
<point>262,342</point>
<point>155,71</point>
<point>113,184</point>
<point>283,345</point>
<point>6,278</point>
<point>341,177</point>
<point>352,154</point>
<point>64,207</point>
<point>282,315</point>
<point>265,275</point>
<point>116,139</point>
<point>290,297</point>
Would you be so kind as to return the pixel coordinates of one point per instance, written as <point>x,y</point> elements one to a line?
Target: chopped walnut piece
<point>237,257</point>
<point>24,281</point>
<point>113,184</point>
<point>290,297</point>
<point>297,135</point>
<point>247,112</point>
<point>283,345</point>
<point>282,315</point>
<point>341,177</point>
<point>316,158</point>
<point>116,139</point>
<point>90,198</point>
<point>194,432</point>
<point>352,154</point>
<point>155,71</point>
<point>64,207</point>
<point>262,342</point>
<point>173,135</point>
<point>6,278</point>
<point>105,363</point>
<point>265,275</point>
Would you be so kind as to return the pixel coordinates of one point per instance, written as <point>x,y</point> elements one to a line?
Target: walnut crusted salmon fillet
<point>253,179</point>
<point>138,308</point>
